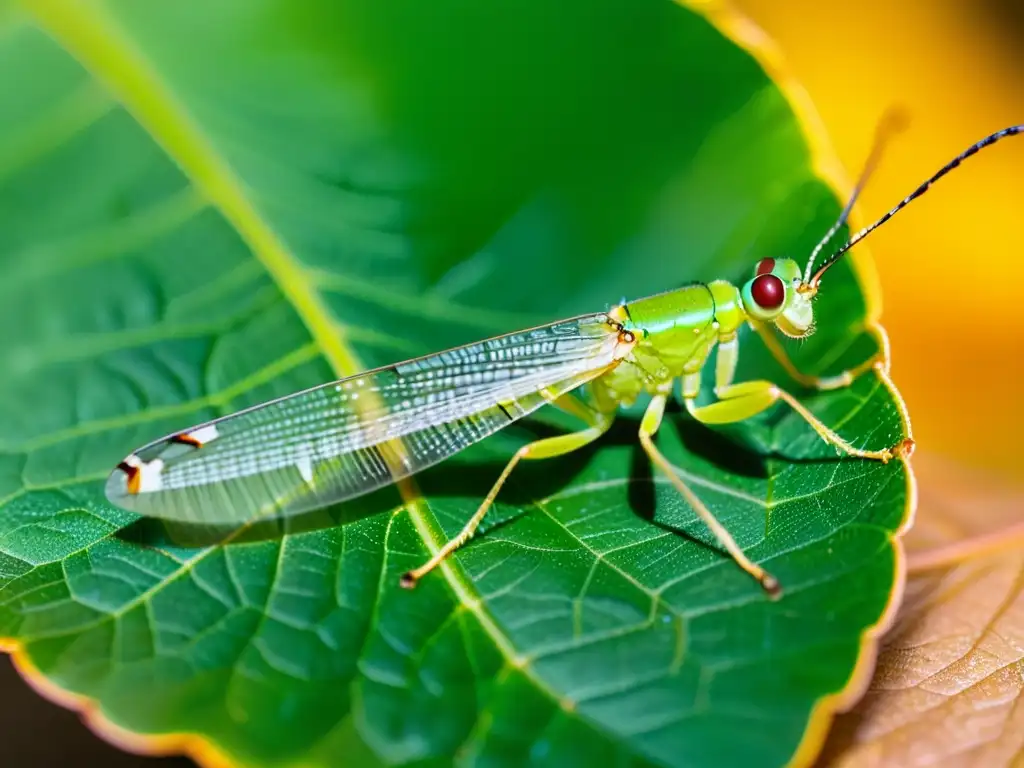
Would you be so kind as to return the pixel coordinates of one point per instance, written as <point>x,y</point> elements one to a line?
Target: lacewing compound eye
<point>764,266</point>
<point>768,291</point>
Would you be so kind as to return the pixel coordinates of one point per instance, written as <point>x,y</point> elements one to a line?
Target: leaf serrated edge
<point>825,164</point>
<point>197,748</point>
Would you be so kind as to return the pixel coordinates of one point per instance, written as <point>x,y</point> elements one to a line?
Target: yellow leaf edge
<point>193,746</point>
<point>825,163</point>
<point>745,34</point>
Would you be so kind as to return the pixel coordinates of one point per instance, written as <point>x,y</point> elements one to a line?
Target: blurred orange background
<point>950,265</point>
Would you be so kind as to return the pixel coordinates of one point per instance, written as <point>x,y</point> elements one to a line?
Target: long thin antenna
<point>892,122</point>
<point>988,141</point>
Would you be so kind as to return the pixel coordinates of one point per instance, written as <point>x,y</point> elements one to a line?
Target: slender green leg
<point>838,381</point>
<point>648,427</point>
<point>741,401</point>
<point>548,448</point>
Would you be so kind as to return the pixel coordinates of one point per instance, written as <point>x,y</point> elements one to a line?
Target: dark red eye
<point>764,266</point>
<point>768,291</point>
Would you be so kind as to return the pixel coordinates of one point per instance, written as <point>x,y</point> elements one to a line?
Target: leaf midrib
<point>102,47</point>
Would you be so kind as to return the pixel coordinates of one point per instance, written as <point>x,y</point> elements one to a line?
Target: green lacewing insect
<point>343,439</point>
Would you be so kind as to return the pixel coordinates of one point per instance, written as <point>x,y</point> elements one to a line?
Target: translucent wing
<point>349,437</point>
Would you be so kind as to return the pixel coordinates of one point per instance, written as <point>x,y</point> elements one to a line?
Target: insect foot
<point>771,586</point>
<point>905,449</point>
<point>408,580</point>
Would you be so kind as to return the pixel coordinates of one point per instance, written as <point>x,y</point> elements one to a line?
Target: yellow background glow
<point>950,265</point>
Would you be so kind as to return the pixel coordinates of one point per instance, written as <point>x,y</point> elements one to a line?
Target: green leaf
<point>206,205</point>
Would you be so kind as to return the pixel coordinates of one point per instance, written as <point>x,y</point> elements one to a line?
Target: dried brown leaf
<point>948,686</point>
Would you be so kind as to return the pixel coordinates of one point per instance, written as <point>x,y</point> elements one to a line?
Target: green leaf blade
<point>347,192</point>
